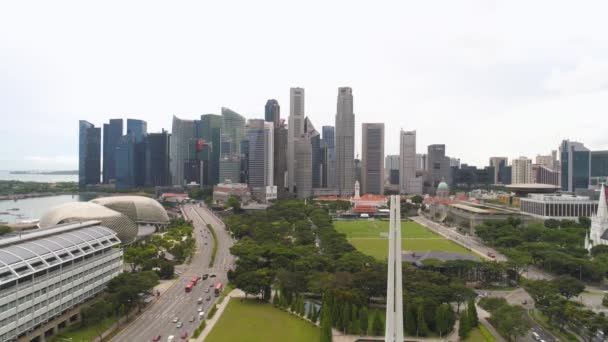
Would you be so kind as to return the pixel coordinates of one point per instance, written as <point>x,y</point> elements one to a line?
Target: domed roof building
<point>125,228</point>
<point>443,190</point>
<point>140,209</point>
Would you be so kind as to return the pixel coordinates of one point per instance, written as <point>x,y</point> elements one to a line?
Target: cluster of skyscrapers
<point>287,158</point>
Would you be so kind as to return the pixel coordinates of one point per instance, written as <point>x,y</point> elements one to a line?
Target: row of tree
<point>509,320</point>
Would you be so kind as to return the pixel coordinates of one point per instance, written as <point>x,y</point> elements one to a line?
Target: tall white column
<point>394,295</point>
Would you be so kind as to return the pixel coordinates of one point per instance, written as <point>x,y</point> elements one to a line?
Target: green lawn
<point>365,236</point>
<point>84,334</point>
<point>475,336</point>
<point>251,321</point>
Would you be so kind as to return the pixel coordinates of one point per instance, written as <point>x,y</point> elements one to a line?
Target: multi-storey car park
<point>46,274</point>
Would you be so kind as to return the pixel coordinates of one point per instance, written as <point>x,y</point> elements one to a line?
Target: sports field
<point>367,237</point>
<point>252,321</point>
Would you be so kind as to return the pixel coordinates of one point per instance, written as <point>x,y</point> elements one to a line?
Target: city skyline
<point>435,79</point>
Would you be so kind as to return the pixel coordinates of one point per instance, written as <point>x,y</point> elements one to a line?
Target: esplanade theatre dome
<point>125,228</point>
<point>140,209</point>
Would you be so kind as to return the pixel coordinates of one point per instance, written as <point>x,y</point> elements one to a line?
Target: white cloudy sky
<point>484,77</point>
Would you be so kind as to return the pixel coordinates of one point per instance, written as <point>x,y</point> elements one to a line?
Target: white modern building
<point>345,142</point>
<point>49,272</point>
<point>557,206</point>
<point>408,182</point>
<point>521,171</point>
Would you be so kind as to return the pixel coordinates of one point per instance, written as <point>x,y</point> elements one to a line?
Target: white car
<point>175,320</point>
<point>170,338</point>
<point>200,309</point>
<point>200,300</point>
<point>179,324</point>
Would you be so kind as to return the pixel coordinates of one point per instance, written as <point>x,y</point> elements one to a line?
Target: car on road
<point>211,285</point>
<point>191,319</point>
<point>156,338</point>
<point>201,315</point>
<point>199,300</point>
<point>175,320</point>
<point>207,291</point>
<point>200,309</point>
<point>170,338</point>
<point>212,276</point>
<point>179,325</point>
<point>205,276</point>
<point>491,255</point>
<point>184,335</point>
<point>208,298</point>
<point>205,244</point>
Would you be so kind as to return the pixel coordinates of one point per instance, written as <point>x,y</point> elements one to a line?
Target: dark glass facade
<point>125,162</point>
<point>111,135</point>
<point>272,112</point>
<point>467,176</point>
<point>599,164</point>
<point>157,159</point>
<point>89,153</point>
<point>255,156</point>
<point>209,129</point>
<point>244,146</point>
<point>315,141</point>
<point>137,128</point>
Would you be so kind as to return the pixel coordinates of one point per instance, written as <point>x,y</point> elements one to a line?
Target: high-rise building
<point>546,161</point>
<point>544,175</point>
<point>111,134</point>
<point>421,162</point>
<point>315,141</point>
<point>256,145</point>
<point>499,164</point>
<point>137,128</point>
<point>269,154</point>
<point>89,153</point>
<point>345,142</point>
<point>244,156</point>
<point>295,131</point>
<point>599,168</point>
<point>329,168</point>
<point>157,159</point>
<point>408,182</point>
<point>521,170</point>
<point>454,162</point>
<point>273,112</point>
<point>575,161</point>
<point>372,161</point>
<point>233,125</point>
<point>125,162</point>
<point>391,169</point>
<point>208,146</point>
<point>280,162</point>
<point>438,168</point>
<point>182,136</point>
<point>232,133</point>
<point>303,167</point>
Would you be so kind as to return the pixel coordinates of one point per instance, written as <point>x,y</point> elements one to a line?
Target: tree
<point>551,223</point>
<point>442,319</point>
<point>377,325</point>
<point>4,230</point>
<point>584,222</point>
<point>568,286</point>
<point>167,270</point>
<point>511,321</point>
<point>473,319</point>
<point>345,318</point>
<point>465,325</point>
<point>417,199</point>
<point>326,321</point>
<point>410,319</point>
<point>423,329</point>
<point>599,250</point>
<point>364,320</point>
<point>605,300</point>
<point>234,203</point>
<point>275,299</point>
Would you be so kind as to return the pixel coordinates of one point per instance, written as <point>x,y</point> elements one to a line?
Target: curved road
<point>175,302</point>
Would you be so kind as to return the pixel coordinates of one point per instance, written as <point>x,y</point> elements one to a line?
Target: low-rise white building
<point>48,272</point>
<point>557,206</point>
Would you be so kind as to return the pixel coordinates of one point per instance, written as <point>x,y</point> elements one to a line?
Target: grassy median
<point>214,250</point>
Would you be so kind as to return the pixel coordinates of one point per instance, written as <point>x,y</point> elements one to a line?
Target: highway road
<point>175,302</point>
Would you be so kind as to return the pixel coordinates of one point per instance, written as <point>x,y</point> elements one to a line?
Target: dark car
<point>184,335</point>
<point>157,338</point>
<point>205,276</point>
<point>212,276</point>
<point>208,298</point>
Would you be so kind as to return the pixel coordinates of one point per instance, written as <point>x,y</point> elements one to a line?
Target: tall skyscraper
<point>329,144</point>
<point>182,136</point>
<point>295,132</point>
<point>280,162</point>
<point>111,135</point>
<point>499,164</point>
<point>272,112</point>
<point>157,159</point>
<point>372,158</point>
<point>209,130</point>
<point>303,168</point>
<point>345,142</point>
<point>521,170</point>
<point>256,165</point>
<point>391,169</point>
<point>125,162</point>
<point>233,124</point>
<point>233,132</point>
<point>89,153</point>
<point>438,168</point>
<point>269,153</point>
<point>315,141</point>
<point>137,128</point>
<point>575,161</point>
<point>408,182</point>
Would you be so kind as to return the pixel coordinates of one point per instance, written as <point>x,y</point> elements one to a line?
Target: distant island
<point>70,172</point>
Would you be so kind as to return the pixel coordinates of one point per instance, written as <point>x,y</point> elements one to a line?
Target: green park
<point>252,321</point>
<point>370,237</point>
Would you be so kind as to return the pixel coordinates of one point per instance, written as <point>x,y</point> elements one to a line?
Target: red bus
<point>189,287</point>
<point>218,289</point>
<point>194,280</point>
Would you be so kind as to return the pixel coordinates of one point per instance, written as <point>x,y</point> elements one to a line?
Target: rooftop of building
<point>480,209</point>
<point>557,197</point>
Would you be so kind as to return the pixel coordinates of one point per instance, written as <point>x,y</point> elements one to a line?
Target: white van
<point>535,335</point>
<point>170,338</point>
<point>201,315</point>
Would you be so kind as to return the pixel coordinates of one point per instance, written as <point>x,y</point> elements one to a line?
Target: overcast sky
<point>486,78</point>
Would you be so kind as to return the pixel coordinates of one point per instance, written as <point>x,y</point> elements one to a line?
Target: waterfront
<point>33,208</point>
<point>6,175</point>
